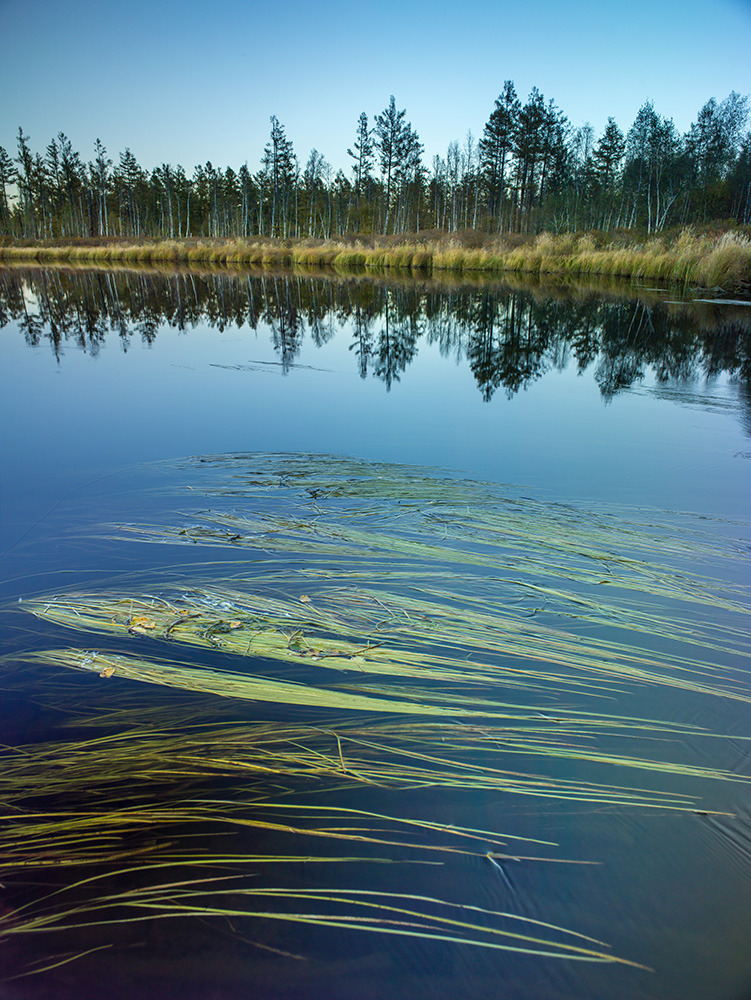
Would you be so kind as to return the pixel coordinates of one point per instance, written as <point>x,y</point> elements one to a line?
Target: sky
<point>186,82</point>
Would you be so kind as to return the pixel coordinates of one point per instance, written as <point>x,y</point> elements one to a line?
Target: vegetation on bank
<point>688,258</point>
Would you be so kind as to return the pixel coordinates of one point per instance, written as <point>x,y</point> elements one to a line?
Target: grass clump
<point>351,257</point>
<point>688,259</point>
<point>726,263</point>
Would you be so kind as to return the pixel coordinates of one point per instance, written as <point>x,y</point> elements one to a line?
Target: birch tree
<point>316,169</point>
<point>652,147</point>
<point>100,170</point>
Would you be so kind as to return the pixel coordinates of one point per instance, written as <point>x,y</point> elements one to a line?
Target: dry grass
<point>693,259</point>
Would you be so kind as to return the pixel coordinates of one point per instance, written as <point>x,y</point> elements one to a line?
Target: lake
<point>372,637</point>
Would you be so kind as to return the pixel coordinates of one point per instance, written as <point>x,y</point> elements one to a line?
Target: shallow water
<point>607,416</point>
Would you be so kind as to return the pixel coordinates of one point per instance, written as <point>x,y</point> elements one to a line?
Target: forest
<point>530,171</point>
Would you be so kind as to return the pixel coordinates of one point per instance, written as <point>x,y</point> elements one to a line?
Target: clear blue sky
<point>185,82</point>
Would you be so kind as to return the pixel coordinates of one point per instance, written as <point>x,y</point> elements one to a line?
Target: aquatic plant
<point>446,634</point>
<point>412,575</point>
<point>162,813</point>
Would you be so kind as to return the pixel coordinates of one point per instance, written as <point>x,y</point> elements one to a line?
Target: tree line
<point>530,171</point>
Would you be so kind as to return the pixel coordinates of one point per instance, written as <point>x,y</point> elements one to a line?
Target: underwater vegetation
<point>332,635</point>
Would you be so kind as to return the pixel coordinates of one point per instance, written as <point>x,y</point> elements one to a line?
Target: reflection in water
<point>610,635</point>
<point>508,337</point>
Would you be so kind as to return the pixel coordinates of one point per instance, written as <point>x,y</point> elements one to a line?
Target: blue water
<point>84,424</point>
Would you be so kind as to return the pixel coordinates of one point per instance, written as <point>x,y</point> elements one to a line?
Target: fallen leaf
<point>141,621</point>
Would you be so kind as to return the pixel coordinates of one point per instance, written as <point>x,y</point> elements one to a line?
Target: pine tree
<point>362,154</point>
<point>280,166</point>
<point>8,176</point>
<point>389,131</point>
<point>496,147</point>
<point>25,175</point>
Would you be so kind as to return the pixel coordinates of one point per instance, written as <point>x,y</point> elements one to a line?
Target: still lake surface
<point>573,419</point>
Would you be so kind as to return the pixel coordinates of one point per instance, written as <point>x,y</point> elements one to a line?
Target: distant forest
<point>530,171</point>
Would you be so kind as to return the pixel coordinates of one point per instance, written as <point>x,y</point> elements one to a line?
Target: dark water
<point>628,407</point>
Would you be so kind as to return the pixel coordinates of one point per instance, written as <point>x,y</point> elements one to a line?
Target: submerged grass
<point>160,820</point>
<point>536,596</point>
<point>403,914</point>
<point>430,639</point>
<point>446,635</point>
<point>691,258</point>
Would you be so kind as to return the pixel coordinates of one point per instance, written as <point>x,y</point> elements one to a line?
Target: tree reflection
<point>362,340</point>
<point>397,341</point>
<point>509,338</point>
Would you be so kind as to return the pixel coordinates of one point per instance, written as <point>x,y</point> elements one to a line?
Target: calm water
<point>628,407</point>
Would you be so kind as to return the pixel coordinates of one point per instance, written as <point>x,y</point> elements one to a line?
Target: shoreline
<point>717,263</point>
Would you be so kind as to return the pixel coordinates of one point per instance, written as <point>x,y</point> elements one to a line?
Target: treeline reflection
<point>508,337</point>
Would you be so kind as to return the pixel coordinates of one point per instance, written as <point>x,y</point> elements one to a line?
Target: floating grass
<point>246,687</point>
<point>531,640</point>
<point>439,636</point>
<point>539,596</point>
<point>320,632</point>
<point>420,754</point>
<point>141,808</point>
<point>433,633</point>
<point>322,504</point>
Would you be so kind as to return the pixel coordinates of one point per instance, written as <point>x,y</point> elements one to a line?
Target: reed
<point>688,260</point>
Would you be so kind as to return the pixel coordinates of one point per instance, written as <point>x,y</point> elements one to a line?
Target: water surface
<point>596,413</point>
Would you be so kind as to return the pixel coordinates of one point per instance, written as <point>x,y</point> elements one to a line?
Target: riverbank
<point>720,262</point>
